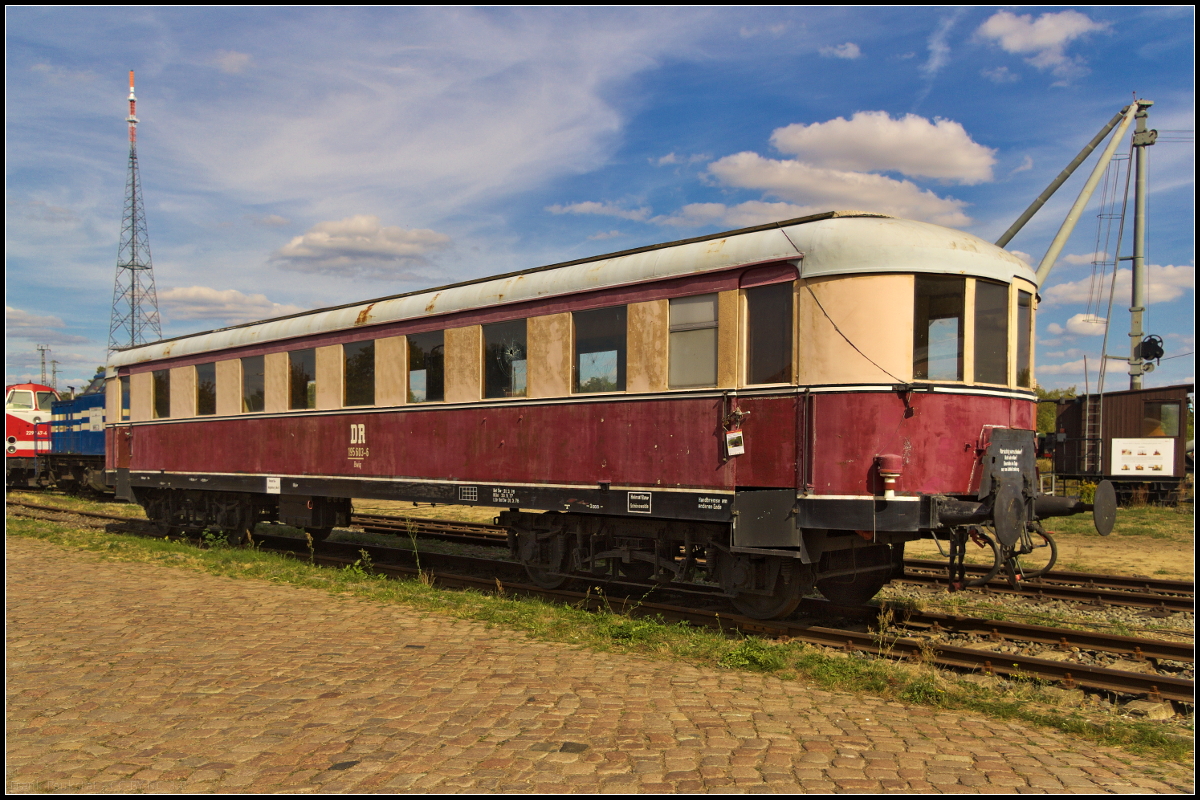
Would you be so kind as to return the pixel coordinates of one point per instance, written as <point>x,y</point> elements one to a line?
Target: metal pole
<point>1059,181</point>
<point>1142,139</point>
<point>1064,232</point>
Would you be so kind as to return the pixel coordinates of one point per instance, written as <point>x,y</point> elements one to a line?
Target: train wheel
<point>854,592</point>
<point>239,536</point>
<point>544,578</point>
<point>319,534</point>
<point>786,593</point>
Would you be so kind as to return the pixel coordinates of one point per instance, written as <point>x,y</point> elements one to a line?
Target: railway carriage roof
<point>833,243</point>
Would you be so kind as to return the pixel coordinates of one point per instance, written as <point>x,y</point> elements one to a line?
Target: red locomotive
<point>27,411</point>
<point>752,413</point>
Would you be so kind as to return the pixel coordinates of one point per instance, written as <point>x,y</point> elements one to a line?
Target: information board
<point>1143,458</point>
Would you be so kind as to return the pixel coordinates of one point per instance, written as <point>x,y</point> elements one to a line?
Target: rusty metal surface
<point>831,246</point>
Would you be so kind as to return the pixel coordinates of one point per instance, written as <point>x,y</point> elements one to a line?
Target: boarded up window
<point>302,379</point>
<point>693,347</point>
<point>426,367</point>
<point>769,334</point>
<point>938,328</point>
<point>600,340</point>
<point>254,385</point>
<point>206,389</point>
<point>1024,338</point>
<point>360,373</point>
<point>991,332</point>
<point>505,359</point>
<point>162,393</point>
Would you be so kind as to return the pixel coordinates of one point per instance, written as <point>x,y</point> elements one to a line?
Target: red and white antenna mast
<point>135,317</point>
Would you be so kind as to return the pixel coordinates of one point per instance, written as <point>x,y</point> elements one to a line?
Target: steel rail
<point>1156,687</point>
<point>1088,579</point>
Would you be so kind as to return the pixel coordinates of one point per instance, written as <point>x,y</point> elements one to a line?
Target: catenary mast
<point>135,301</point>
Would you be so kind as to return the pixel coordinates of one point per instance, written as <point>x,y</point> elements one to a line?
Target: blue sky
<point>299,158</point>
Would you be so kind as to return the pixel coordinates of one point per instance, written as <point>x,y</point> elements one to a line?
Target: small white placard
<point>735,443</point>
<point>272,485</point>
<point>1143,458</point>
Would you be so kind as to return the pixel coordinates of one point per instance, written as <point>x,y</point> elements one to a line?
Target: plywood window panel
<point>206,389</point>
<point>464,364</point>
<point>329,376</point>
<point>550,351</point>
<point>769,334</point>
<point>505,359</point>
<point>183,392</point>
<point>991,332</point>
<point>141,396</point>
<point>229,387</point>
<point>162,393</point>
<point>302,379</point>
<point>275,378</point>
<point>693,345</point>
<point>391,371</point>
<point>359,369</point>
<point>254,384</point>
<point>850,329</point>
<point>427,367</point>
<point>647,344</point>
<point>729,329</point>
<point>600,350</point>
<point>939,327</point>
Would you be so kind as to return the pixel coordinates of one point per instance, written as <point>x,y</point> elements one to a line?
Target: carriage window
<point>991,332</point>
<point>1160,418</point>
<point>938,328</point>
<point>504,359</point>
<point>693,346</point>
<point>600,350</point>
<point>162,393</point>
<point>769,334</point>
<point>360,373</point>
<point>253,384</point>
<point>44,400</point>
<point>426,367</point>
<point>124,397</point>
<point>302,379</point>
<point>1024,337</point>
<point>206,389</point>
<point>19,401</point>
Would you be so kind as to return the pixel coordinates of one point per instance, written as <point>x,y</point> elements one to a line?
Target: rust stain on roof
<point>432,302</point>
<point>364,315</point>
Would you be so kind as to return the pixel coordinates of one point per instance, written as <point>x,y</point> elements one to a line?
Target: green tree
<point>1048,399</point>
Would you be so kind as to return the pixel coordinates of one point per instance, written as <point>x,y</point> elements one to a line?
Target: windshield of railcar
<point>44,399</point>
<point>19,400</point>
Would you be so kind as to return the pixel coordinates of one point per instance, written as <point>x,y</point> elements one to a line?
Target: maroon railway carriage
<point>753,412</point>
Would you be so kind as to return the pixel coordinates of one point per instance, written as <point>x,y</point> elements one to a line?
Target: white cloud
<point>1028,259</point>
<point>358,245</point>
<point>271,221</point>
<point>1026,165</point>
<point>1165,284</point>
<point>826,189</point>
<point>939,49</point>
<point>1086,258</point>
<point>1070,368</point>
<point>603,209</point>
<point>21,324</point>
<point>1043,40</point>
<point>1000,75</point>
<point>232,62</point>
<point>673,158</point>
<point>228,306</point>
<point>1086,325</point>
<point>742,215</point>
<point>849,50</point>
<point>873,141</point>
<point>604,235</point>
<point>1056,329</point>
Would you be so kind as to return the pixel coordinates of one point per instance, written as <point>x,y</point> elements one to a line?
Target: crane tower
<point>135,301</point>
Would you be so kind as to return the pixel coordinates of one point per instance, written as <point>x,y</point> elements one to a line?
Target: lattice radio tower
<point>135,301</point>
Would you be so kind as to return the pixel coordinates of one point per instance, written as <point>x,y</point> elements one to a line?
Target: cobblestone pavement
<point>135,677</point>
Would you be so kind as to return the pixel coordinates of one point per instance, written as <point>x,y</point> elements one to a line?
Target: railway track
<point>453,571</point>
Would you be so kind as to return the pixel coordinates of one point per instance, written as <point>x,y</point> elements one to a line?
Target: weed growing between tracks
<point>607,631</point>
